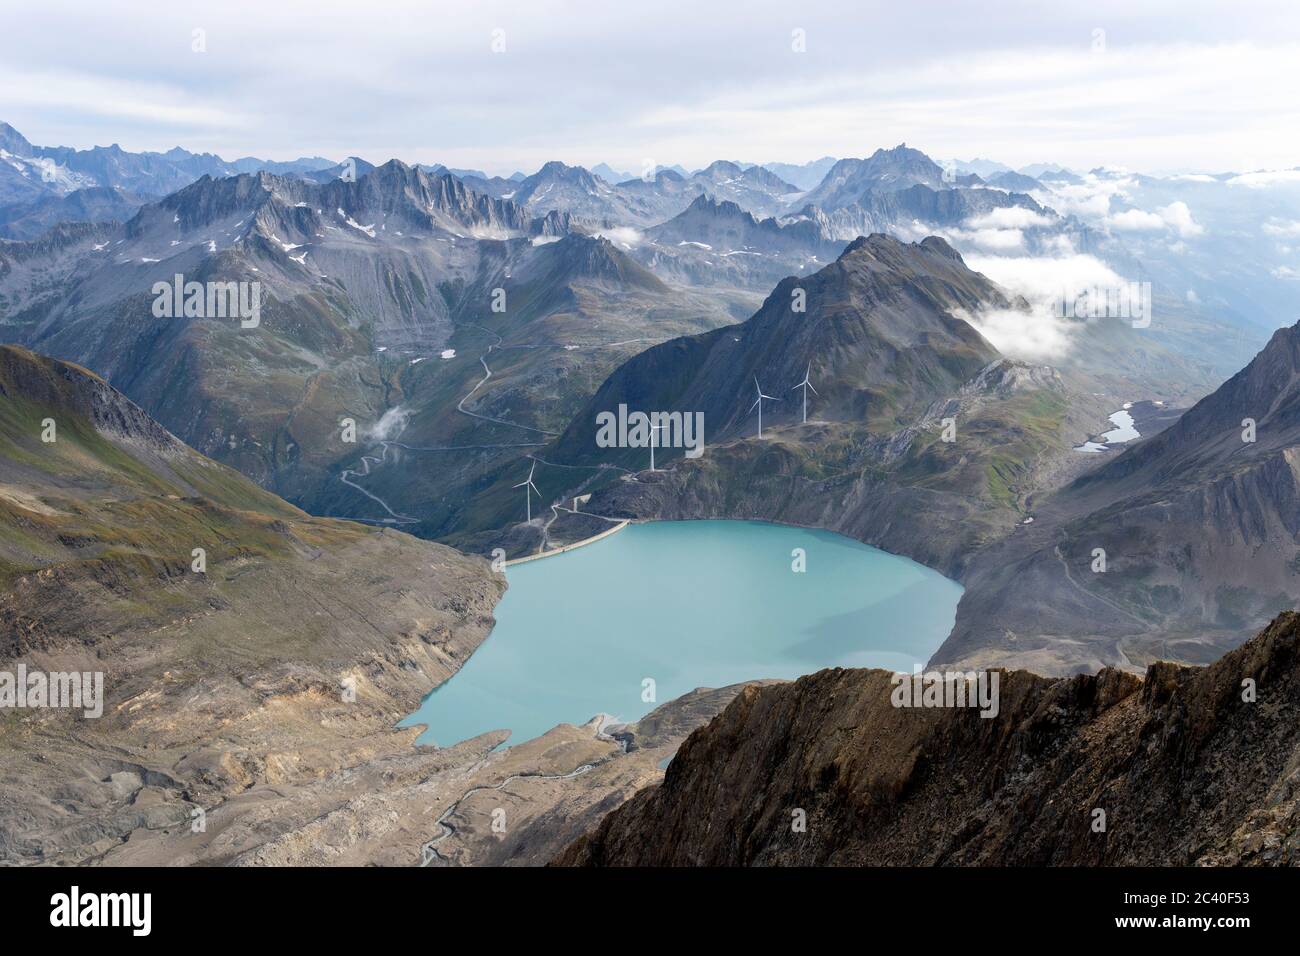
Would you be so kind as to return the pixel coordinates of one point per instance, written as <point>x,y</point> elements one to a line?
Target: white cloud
<point>1265,178</point>
<point>1042,333</point>
<point>1017,82</point>
<point>1008,217</point>
<point>1043,278</point>
<point>1034,336</point>
<point>1179,217</point>
<point>391,424</point>
<point>1136,220</point>
<point>1175,216</point>
<point>623,236</point>
<point>993,239</point>
<point>1283,228</point>
<point>915,230</point>
<point>1089,199</point>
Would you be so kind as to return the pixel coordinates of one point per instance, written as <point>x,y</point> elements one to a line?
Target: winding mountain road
<point>396,517</point>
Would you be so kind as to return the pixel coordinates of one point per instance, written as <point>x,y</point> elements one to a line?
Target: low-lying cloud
<point>1033,336</point>
<point>625,237</point>
<point>1176,216</point>
<point>1040,333</point>
<point>391,424</point>
<point>1009,217</point>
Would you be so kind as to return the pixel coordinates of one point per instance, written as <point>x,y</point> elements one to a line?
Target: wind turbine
<point>654,443</point>
<point>759,403</point>
<point>805,385</point>
<point>529,488</point>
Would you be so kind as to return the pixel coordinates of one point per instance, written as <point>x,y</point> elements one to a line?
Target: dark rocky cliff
<point>1187,772</point>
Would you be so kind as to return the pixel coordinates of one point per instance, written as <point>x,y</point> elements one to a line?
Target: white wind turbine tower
<point>654,443</point>
<point>759,403</point>
<point>805,385</point>
<point>529,488</point>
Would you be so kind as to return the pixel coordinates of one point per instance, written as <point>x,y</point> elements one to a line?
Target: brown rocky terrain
<point>1187,770</point>
<point>287,658</point>
<point>410,805</point>
<point>250,708</point>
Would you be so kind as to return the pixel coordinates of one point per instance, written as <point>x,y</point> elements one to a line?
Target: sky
<point>504,86</point>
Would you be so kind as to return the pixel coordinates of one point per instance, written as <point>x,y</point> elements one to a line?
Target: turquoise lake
<point>687,604</point>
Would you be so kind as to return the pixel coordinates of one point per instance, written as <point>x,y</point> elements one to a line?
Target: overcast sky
<point>1182,86</point>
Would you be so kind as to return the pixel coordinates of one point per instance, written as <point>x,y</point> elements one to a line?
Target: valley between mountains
<point>431,341</point>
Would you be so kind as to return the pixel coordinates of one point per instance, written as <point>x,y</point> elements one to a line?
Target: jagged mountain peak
<point>743,182</point>
<point>877,328</point>
<point>206,200</point>
<point>886,170</point>
<point>912,258</point>
<point>290,208</point>
<point>1017,182</point>
<point>555,169</point>
<point>720,166</point>
<point>714,234</point>
<point>726,171</point>
<point>900,153</point>
<point>13,141</point>
<point>708,203</point>
<point>593,258</point>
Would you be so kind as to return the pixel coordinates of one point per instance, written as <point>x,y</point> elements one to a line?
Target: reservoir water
<point>685,604</point>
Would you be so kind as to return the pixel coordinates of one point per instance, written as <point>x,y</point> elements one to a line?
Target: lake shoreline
<point>675,605</point>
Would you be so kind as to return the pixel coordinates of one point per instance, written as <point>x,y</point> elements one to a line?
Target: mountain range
<point>426,338</point>
<point>638,201</point>
<point>30,174</point>
<point>474,322</point>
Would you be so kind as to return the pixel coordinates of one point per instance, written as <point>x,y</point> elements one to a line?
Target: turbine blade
<point>814,391</point>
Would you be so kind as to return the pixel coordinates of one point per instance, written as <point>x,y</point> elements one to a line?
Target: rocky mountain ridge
<point>1180,546</point>
<point>1187,766</point>
<point>242,643</point>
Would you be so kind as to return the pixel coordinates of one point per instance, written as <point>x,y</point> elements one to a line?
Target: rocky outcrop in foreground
<point>1190,766</point>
